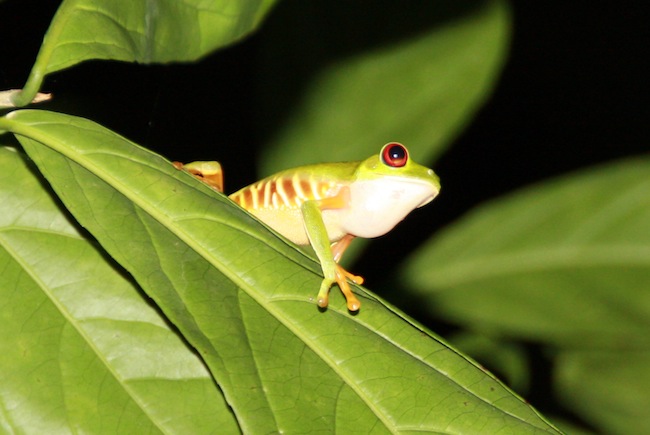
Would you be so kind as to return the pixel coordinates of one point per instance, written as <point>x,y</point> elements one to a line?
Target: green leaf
<point>81,350</point>
<point>567,262</point>
<point>609,389</point>
<point>507,359</point>
<point>244,299</point>
<point>141,31</point>
<point>436,65</point>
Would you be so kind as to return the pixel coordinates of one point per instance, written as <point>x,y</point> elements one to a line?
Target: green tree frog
<point>327,205</point>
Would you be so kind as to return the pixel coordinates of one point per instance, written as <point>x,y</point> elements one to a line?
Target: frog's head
<point>394,163</point>
<point>386,188</point>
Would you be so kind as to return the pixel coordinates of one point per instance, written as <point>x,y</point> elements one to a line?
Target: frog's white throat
<point>376,206</point>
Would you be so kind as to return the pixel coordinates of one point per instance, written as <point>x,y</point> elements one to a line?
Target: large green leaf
<point>81,350</point>
<point>567,262</point>
<point>244,298</point>
<point>406,71</point>
<point>141,31</point>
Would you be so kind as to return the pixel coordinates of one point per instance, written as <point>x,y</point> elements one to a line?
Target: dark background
<point>574,93</point>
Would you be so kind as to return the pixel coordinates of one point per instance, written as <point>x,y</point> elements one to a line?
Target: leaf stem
<point>40,67</point>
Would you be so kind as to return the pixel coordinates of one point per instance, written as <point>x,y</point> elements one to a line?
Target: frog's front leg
<point>329,256</point>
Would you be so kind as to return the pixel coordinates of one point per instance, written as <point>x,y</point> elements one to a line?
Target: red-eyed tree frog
<point>327,205</point>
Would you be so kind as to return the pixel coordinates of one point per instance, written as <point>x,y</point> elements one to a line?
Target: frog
<point>328,205</point>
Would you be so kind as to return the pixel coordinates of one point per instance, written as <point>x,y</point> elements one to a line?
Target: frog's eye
<point>394,154</point>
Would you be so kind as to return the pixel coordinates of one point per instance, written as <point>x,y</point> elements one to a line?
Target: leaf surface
<point>81,349</point>
<point>244,298</point>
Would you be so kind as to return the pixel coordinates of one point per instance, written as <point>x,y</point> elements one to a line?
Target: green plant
<point>178,312</point>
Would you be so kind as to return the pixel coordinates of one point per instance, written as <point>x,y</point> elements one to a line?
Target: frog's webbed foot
<point>344,273</point>
<point>324,293</point>
<point>342,277</point>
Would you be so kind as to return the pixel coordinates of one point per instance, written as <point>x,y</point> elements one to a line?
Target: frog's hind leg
<point>338,248</point>
<point>208,172</point>
<point>342,275</point>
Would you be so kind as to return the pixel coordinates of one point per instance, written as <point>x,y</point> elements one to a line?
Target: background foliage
<point>546,286</point>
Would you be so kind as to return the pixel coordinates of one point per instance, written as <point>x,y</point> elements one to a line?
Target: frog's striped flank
<point>283,191</point>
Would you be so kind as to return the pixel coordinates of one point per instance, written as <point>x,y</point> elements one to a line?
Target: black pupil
<point>397,153</point>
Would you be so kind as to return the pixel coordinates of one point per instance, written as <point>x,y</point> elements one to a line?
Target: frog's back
<point>276,199</point>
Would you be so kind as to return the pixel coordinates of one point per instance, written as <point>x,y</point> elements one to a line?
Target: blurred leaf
<point>81,350</point>
<point>437,63</point>
<point>610,389</point>
<point>508,360</point>
<point>571,428</point>
<point>245,300</point>
<point>567,262</point>
<point>140,31</point>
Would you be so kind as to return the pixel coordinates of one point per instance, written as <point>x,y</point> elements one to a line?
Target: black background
<point>574,92</point>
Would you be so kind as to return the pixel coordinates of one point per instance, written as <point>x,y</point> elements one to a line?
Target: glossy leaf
<point>567,262</point>
<point>141,31</point>
<point>416,79</point>
<point>244,299</point>
<point>81,349</point>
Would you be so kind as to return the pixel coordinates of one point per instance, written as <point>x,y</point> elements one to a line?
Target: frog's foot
<point>342,277</point>
<point>354,278</point>
<point>324,293</point>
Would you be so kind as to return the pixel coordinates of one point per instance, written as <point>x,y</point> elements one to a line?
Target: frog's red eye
<point>394,154</point>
